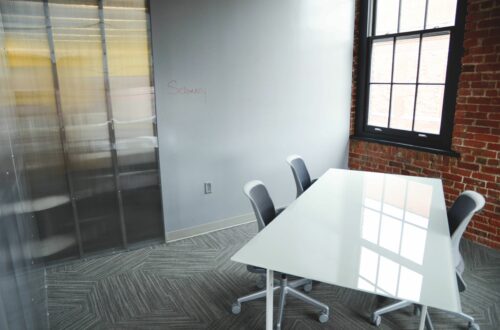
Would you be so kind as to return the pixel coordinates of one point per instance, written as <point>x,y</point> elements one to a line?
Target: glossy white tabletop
<point>380,233</point>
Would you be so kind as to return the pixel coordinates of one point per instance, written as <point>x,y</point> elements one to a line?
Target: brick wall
<point>476,134</point>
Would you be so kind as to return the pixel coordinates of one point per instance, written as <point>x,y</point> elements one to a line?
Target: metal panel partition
<point>23,303</point>
<point>81,74</point>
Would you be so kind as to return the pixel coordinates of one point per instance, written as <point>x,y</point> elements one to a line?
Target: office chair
<point>265,212</point>
<point>459,216</point>
<point>300,173</point>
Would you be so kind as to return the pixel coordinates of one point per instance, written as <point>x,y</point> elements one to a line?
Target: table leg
<point>423,315</point>
<point>269,299</point>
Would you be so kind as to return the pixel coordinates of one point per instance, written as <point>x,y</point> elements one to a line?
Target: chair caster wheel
<point>236,308</point>
<point>416,310</point>
<point>308,287</point>
<point>473,326</point>
<point>376,320</point>
<point>323,317</point>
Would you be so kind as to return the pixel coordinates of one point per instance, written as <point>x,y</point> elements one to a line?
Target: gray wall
<point>23,303</point>
<point>241,84</point>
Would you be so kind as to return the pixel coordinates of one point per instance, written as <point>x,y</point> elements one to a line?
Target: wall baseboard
<point>209,227</point>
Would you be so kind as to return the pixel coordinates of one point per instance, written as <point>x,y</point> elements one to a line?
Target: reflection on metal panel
<point>83,103</point>
<point>79,62</point>
<point>129,58</point>
<point>37,126</point>
<point>23,302</point>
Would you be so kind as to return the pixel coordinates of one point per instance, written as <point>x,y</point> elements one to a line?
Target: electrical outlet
<point>208,187</point>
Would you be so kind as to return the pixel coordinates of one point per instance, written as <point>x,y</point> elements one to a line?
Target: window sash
<point>440,142</point>
<point>420,35</point>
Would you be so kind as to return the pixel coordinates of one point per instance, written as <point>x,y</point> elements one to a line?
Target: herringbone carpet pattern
<point>190,284</point>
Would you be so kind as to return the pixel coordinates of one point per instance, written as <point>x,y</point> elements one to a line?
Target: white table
<point>379,233</point>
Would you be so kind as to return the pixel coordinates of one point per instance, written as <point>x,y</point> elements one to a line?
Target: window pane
<point>441,13</point>
<point>412,15</point>
<point>381,63</point>
<point>378,111</point>
<point>434,59</point>
<point>403,98</point>
<point>406,58</point>
<point>387,17</point>
<point>429,108</point>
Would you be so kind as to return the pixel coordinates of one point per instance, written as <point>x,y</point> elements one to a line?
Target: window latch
<point>422,135</point>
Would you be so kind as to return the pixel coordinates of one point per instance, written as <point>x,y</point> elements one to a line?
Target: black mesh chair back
<point>459,215</point>
<point>262,203</point>
<point>300,173</point>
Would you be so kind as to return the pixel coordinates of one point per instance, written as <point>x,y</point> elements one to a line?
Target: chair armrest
<point>461,283</point>
<point>281,209</point>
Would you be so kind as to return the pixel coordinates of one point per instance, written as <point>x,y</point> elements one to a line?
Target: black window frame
<point>415,140</point>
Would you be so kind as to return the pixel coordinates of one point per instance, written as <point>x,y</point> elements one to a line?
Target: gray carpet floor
<point>190,284</point>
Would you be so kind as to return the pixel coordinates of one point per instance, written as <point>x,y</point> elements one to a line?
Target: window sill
<point>445,152</point>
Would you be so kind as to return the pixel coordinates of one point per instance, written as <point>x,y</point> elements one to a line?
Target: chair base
<point>376,316</point>
<point>286,288</point>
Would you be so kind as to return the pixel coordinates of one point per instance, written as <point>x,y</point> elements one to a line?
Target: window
<point>409,53</point>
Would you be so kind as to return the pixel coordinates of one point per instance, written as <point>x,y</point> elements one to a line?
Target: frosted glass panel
<point>441,13</point>
<point>406,59</point>
<point>412,15</point>
<point>387,17</point>
<point>429,108</point>
<point>381,62</point>
<point>403,97</point>
<point>379,105</point>
<point>434,58</point>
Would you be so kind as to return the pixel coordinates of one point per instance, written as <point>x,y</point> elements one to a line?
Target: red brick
<point>481,50</point>
<point>486,228</point>
<point>489,23</point>
<point>482,83</point>
<point>473,167</point>
<point>488,123</point>
<point>478,100</point>
<point>492,170</point>
<point>476,115</point>
<point>452,177</point>
<point>479,129</point>
<point>469,76</point>
<point>485,153</point>
<point>487,67</point>
<point>474,144</point>
<point>487,137</point>
<point>493,185</point>
<point>494,146</point>
<point>493,162</point>
<point>482,176</point>
<point>462,172</point>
